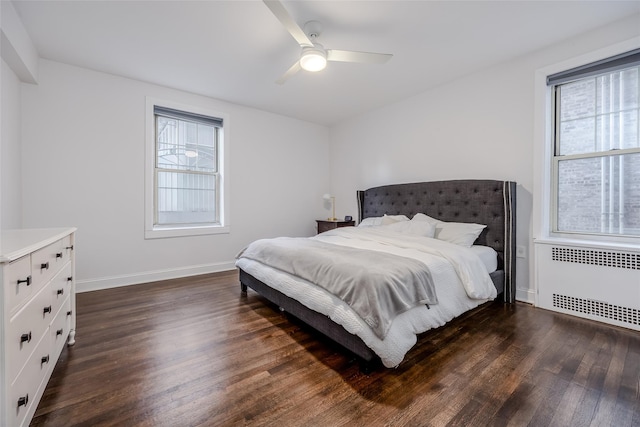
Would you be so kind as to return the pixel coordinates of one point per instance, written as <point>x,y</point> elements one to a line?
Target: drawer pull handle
<point>59,332</point>
<point>70,278</point>
<point>47,310</point>
<point>69,247</point>
<point>22,401</point>
<point>44,266</point>
<point>60,292</point>
<point>45,359</point>
<point>59,255</point>
<point>69,313</point>
<point>25,337</point>
<point>27,281</point>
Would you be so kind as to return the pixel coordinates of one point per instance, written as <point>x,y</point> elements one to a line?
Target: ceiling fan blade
<point>352,56</point>
<point>287,21</point>
<point>290,72</point>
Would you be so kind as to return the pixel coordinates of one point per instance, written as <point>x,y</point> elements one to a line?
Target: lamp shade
<point>332,199</point>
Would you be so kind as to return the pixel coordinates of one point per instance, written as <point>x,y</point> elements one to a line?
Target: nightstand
<point>326,225</point>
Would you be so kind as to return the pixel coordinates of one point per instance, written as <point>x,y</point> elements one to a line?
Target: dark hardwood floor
<point>195,352</point>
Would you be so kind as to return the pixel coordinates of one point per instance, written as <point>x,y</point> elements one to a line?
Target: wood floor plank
<point>197,352</point>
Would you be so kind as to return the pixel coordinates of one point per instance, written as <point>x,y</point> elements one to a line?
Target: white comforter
<point>460,278</point>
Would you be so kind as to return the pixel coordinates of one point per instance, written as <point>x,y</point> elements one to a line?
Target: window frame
<point>153,231</point>
<point>556,158</point>
<point>544,184</point>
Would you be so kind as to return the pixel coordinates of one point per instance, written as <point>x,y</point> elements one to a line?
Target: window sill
<point>168,232</point>
<point>584,243</point>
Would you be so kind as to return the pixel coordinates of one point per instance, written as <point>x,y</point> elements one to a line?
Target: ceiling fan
<point>314,56</point>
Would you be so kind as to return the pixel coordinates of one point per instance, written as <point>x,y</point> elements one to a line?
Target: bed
<point>487,202</point>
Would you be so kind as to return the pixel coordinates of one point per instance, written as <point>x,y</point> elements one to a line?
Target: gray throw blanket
<point>376,285</point>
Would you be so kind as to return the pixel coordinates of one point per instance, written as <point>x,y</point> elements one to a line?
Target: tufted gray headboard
<point>481,201</point>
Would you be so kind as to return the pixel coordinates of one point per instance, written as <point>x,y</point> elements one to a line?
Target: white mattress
<point>402,336</point>
<point>488,256</point>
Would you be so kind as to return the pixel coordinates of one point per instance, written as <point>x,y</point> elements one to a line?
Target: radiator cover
<point>592,282</point>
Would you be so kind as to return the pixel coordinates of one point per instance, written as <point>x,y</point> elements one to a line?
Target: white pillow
<point>371,222</point>
<point>413,228</point>
<point>382,220</point>
<point>425,218</point>
<point>459,233</point>
<point>390,219</point>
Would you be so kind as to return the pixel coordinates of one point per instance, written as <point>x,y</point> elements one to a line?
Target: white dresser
<point>37,268</point>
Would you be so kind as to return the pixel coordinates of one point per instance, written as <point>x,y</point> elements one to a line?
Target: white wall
<point>10,163</point>
<point>17,48</point>
<point>83,140</point>
<point>19,63</point>
<point>480,126</point>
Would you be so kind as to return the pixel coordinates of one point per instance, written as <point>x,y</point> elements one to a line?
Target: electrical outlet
<point>521,251</point>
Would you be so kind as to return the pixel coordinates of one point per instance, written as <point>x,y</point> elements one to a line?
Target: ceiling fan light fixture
<point>313,59</point>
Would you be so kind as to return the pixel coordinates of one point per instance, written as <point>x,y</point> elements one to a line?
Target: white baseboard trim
<point>523,295</point>
<point>526,295</point>
<point>151,276</point>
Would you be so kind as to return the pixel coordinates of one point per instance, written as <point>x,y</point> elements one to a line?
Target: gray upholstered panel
<point>486,202</point>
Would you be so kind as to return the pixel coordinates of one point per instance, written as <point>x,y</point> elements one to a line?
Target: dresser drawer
<point>60,327</point>
<point>17,283</point>
<point>25,330</point>
<point>37,314</point>
<point>47,262</point>
<point>60,288</point>
<point>24,389</point>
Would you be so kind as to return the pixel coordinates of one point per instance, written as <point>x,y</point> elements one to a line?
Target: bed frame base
<point>368,360</point>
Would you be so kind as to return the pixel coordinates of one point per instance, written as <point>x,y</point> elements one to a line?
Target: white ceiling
<point>235,50</point>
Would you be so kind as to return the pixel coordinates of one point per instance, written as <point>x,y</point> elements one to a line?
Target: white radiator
<point>594,282</point>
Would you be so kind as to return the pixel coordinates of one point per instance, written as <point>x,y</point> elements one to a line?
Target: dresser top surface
<point>15,244</point>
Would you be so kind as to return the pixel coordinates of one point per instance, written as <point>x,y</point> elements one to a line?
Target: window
<point>185,164</point>
<point>596,153</point>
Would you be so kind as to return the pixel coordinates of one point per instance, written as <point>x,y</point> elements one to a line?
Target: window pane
<point>617,91</point>
<point>577,117</point>
<point>185,145</point>
<point>167,136</point>
<point>577,136</point>
<point>599,114</point>
<point>617,109</point>
<point>600,195</point>
<point>186,198</point>
<point>206,149</point>
<point>187,141</point>
<point>618,130</point>
<point>577,100</point>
